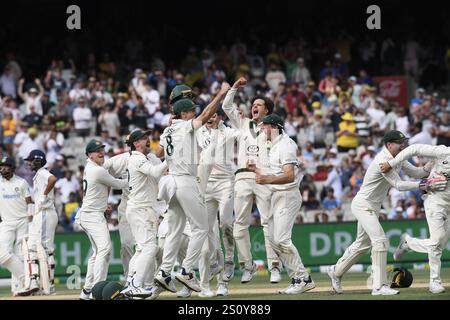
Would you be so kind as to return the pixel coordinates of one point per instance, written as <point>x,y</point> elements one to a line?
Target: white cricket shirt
<point>96,182</point>
<point>180,148</point>
<point>12,198</point>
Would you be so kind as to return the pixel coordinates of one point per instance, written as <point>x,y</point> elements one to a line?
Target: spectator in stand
<point>327,84</point>
<point>398,212</point>
<point>316,129</point>
<point>59,168</point>
<point>274,77</point>
<point>331,203</point>
<point>32,97</point>
<point>291,127</point>
<point>52,148</point>
<point>140,113</point>
<point>333,181</point>
<point>60,117</point>
<point>8,83</point>
<point>340,68</point>
<point>321,173</point>
<point>347,138</point>
<point>32,118</point>
<point>109,121</point>
<point>69,207</point>
<point>368,157</point>
<point>9,131</point>
<point>82,117</point>
<point>442,131</point>
<point>357,177</point>
<point>301,75</point>
<point>101,93</point>
<point>68,185</point>
<point>78,92</point>
<point>294,98</point>
<point>402,121</point>
<point>150,98</point>
<point>420,135</point>
<point>29,144</point>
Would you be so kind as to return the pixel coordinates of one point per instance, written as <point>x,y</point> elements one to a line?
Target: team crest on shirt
<point>16,189</point>
<point>253,149</point>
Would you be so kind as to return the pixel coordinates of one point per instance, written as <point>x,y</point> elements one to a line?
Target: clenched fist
<point>240,82</point>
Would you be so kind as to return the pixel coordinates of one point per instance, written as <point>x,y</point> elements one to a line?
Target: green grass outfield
<point>259,288</point>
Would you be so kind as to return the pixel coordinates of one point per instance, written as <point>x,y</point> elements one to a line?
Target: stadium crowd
<point>327,98</point>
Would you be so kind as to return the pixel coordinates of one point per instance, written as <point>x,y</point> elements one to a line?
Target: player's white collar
<point>136,152</point>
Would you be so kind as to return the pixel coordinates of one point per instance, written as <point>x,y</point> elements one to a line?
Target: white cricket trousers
<point>438,218</point>
<point>369,234</point>
<point>219,204</point>
<point>96,228</point>
<point>144,225</point>
<point>127,241</point>
<point>42,229</point>
<point>285,205</point>
<point>220,198</point>
<point>186,203</point>
<point>245,190</point>
<point>11,235</point>
<point>181,252</point>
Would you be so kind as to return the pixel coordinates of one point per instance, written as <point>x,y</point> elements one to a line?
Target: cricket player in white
<point>251,143</point>
<point>141,213</point>
<point>16,210</point>
<point>437,204</point>
<point>282,176</point>
<point>217,142</point>
<point>91,217</point>
<point>179,145</point>
<point>39,248</point>
<point>117,167</point>
<point>366,206</point>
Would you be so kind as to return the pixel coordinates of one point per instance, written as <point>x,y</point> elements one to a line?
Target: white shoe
<point>206,293</point>
<point>299,285</point>
<point>215,269</point>
<point>384,291</point>
<point>188,279</point>
<point>86,295</point>
<point>335,281</point>
<point>228,272</point>
<point>402,248</point>
<point>436,287</point>
<point>137,292</point>
<point>184,293</point>
<point>275,275</point>
<point>165,281</point>
<point>247,274</point>
<point>156,290</point>
<point>222,290</point>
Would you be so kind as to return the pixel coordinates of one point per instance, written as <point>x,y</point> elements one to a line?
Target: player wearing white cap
<point>281,175</point>
<point>179,145</point>
<point>366,207</point>
<point>437,204</point>
<point>16,210</point>
<point>251,143</point>
<point>91,217</point>
<point>142,215</point>
<point>38,250</point>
